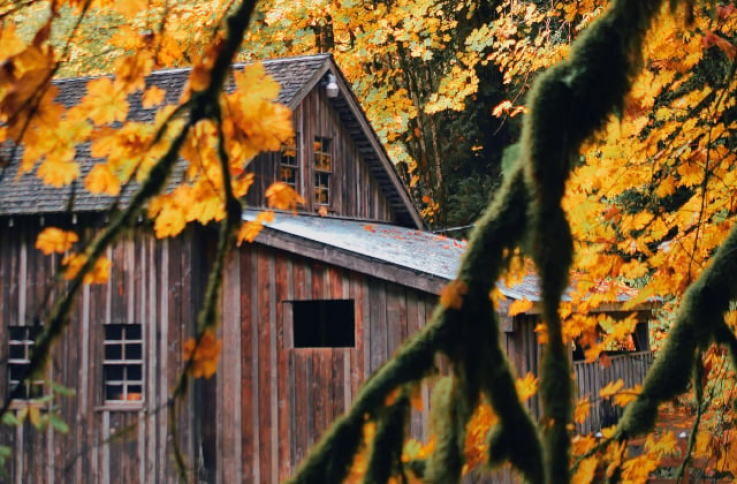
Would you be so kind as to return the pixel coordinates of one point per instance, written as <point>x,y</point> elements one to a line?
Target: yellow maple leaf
<point>99,274</point>
<point>624,397</point>
<point>282,196</point>
<point>611,388</point>
<point>58,172</point>
<point>519,306</point>
<point>526,387</point>
<point>170,221</point>
<point>667,444</point>
<point>153,96</point>
<point>586,471</point>
<point>451,296</point>
<point>53,239</point>
<point>255,81</point>
<point>204,354</point>
<point>250,230</point>
<point>102,180</point>
<point>105,103</point>
<point>583,407</point>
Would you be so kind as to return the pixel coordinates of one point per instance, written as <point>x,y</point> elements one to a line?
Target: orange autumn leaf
<point>581,413</point>
<point>415,399</point>
<point>624,397</point>
<point>250,230</point>
<point>586,471</point>
<point>204,356</point>
<point>58,172</point>
<point>526,387</point>
<point>451,296</point>
<point>106,102</point>
<point>323,212</point>
<point>667,444</point>
<point>519,306</point>
<point>101,180</point>
<point>611,388</point>
<point>99,274</point>
<point>283,197</point>
<point>53,239</point>
<point>391,398</point>
<point>153,96</point>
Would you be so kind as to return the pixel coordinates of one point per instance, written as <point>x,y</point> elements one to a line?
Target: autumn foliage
<point>645,186</point>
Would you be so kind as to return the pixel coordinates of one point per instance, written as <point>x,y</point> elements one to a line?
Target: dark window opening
<point>20,347</point>
<point>327,323</point>
<point>123,363</point>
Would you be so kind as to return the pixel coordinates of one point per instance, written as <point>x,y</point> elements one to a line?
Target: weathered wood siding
<point>274,400</point>
<point>353,190</point>
<point>156,283</point>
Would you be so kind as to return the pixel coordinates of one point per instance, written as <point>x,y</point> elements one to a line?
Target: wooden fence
<point>592,377</point>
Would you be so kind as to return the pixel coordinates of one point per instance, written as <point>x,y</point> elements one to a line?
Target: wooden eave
<point>350,260</point>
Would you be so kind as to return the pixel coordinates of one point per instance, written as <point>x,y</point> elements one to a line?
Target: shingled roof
<point>296,75</point>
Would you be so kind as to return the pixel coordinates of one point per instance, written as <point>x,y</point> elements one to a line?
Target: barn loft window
<point>123,363</point>
<point>323,170</point>
<point>328,323</point>
<point>20,346</point>
<point>289,165</point>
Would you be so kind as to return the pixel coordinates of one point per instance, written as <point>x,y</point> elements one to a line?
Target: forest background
<point>650,196</point>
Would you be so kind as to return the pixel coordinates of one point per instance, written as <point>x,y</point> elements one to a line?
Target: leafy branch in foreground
<point>568,104</point>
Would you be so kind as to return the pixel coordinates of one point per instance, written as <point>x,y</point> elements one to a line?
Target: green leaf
<point>58,423</point>
<point>45,399</point>
<point>10,419</point>
<point>61,389</point>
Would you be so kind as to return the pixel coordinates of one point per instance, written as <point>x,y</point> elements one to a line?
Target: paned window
<point>123,363</point>
<point>20,347</point>
<point>289,165</point>
<point>323,170</point>
<point>325,323</point>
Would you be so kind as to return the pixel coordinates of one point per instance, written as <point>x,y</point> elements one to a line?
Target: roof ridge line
<point>176,70</point>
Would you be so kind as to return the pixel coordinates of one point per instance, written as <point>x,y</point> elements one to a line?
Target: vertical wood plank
<point>273,369</point>
<point>282,283</point>
<point>264,365</point>
<point>255,343</point>
<point>247,368</point>
<point>378,323</point>
<point>230,371</point>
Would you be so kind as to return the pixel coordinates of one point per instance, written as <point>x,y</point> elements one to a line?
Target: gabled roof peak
<point>296,75</point>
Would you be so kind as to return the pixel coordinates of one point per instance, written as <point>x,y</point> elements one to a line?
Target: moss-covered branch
<point>699,321</point>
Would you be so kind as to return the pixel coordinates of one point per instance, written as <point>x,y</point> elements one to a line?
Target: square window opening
<point>327,323</point>
<point>20,348</point>
<point>123,364</point>
<point>289,165</point>
<point>323,165</point>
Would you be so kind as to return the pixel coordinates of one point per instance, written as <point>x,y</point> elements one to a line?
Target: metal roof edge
<point>347,259</point>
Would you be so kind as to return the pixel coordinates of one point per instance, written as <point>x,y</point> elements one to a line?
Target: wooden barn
<point>308,310</point>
